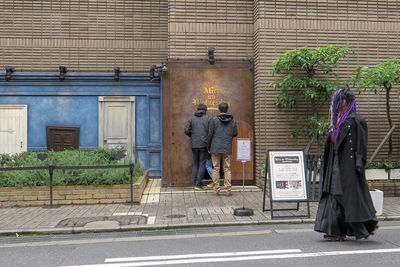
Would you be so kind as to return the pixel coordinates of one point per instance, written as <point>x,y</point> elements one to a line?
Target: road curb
<point>147,227</point>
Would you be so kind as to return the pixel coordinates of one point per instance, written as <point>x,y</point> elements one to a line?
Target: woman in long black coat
<point>345,207</point>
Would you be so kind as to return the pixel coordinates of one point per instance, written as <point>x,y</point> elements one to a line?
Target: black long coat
<point>344,169</point>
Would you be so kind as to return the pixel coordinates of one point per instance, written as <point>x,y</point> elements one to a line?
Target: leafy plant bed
<point>383,164</point>
<point>98,157</point>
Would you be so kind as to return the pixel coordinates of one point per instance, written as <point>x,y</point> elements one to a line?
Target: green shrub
<point>98,157</point>
<point>383,165</point>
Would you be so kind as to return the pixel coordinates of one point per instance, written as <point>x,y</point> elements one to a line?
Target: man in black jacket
<point>197,129</point>
<point>220,134</point>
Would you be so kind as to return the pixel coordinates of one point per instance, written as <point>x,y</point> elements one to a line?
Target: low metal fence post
<point>131,166</point>
<point>51,170</point>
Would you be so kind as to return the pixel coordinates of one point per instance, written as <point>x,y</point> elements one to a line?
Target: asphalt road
<point>264,245</point>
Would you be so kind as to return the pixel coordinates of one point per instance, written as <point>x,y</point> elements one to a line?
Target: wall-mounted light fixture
<point>156,71</point>
<point>164,67</point>
<point>9,72</point>
<point>63,71</point>
<point>117,71</point>
<point>211,59</point>
<point>152,72</point>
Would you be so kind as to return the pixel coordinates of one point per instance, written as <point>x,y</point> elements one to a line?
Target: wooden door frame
<point>101,103</point>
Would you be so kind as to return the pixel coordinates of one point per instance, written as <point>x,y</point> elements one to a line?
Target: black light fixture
<point>164,67</point>
<point>63,71</point>
<point>9,72</point>
<point>152,72</point>
<point>117,71</point>
<point>211,59</point>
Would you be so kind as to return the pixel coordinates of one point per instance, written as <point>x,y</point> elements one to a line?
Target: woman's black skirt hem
<point>330,220</point>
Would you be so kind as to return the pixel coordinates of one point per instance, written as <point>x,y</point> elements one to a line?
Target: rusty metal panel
<point>189,85</point>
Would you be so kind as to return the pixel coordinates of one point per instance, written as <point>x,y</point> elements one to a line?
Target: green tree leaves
<point>308,74</point>
<point>383,76</point>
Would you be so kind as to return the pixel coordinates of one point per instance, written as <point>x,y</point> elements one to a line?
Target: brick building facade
<point>97,35</point>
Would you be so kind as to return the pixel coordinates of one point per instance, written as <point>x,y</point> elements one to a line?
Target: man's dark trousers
<point>200,156</point>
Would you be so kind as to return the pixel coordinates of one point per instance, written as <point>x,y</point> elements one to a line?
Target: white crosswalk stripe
<point>203,255</point>
<point>226,257</point>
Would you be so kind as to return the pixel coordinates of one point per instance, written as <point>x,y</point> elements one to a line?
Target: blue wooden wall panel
<point>142,130</point>
<point>142,158</point>
<point>155,121</point>
<point>155,160</point>
<point>60,111</point>
<point>155,163</point>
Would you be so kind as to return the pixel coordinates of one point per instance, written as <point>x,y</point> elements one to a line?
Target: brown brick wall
<point>79,194</point>
<point>84,36</point>
<point>391,188</point>
<point>65,195</point>
<point>196,25</point>
<point>371,26</point>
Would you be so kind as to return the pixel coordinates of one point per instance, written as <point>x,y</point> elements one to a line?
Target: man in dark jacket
<point>197,129</point>
<point>220,134</point>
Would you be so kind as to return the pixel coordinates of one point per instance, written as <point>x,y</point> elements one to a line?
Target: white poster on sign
<point>287,174</point>
<point>243,146</point>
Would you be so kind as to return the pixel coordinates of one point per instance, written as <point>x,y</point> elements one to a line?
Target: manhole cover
<point>103,220</point>
<point>175,216</point>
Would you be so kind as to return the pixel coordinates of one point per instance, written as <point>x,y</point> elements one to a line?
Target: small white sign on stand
<point>243,149</point>
<point>243,154</point>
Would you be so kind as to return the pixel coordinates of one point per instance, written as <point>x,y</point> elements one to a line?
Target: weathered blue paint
<point>155,119</point>
<point>142,113</point>
<point>58,111</point>
<point>74,102</point>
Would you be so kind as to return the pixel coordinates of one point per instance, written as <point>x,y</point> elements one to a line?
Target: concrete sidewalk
<point>160,208</point>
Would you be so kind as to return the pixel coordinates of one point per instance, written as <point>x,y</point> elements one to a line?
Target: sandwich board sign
<point>286,171</point>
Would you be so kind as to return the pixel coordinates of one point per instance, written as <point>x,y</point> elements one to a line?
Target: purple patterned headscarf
<point>336,106</point>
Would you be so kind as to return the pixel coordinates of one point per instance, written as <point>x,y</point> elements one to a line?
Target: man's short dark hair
<point>223,107</point>
<point>202,107</point>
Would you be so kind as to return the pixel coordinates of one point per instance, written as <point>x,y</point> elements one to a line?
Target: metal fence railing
<point>314,170</point>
